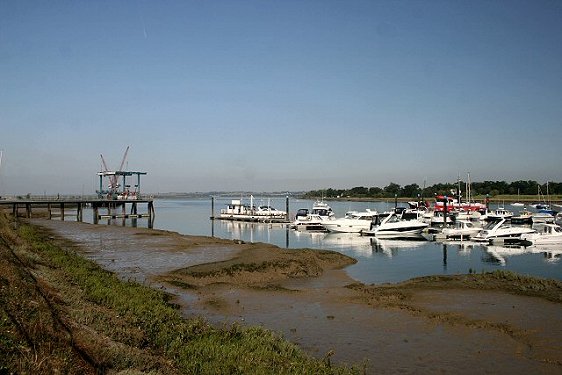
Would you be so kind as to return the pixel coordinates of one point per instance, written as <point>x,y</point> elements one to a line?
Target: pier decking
<point>114,209</point>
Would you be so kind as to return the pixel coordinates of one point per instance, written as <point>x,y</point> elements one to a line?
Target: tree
<point>392,189</point>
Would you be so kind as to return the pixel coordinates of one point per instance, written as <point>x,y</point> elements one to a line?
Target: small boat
<point>323,209</point>
<point>463,230</point>
<point>314,219</point>
<point>269,211</point>
<point>438,218</point>
<point>523,217</point>
<point>546,234</point>
<point>309,222</point>
<point>353,222</point>
<point>392,226</point>
<point>499,213</point>
<point>558,218</point>
<point>543,216</point>
<point>502,230</point>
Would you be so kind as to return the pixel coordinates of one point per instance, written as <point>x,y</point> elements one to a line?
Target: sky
<point>278,95</point>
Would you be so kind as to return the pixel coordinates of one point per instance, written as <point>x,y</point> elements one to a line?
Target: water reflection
<point>502,254</point>
<point>391,247</point>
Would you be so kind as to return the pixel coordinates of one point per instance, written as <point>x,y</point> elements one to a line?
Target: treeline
<point>490,188</point>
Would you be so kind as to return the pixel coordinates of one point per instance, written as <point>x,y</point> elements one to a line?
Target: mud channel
<point>431,331</point>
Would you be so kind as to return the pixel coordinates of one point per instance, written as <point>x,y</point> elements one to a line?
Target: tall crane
<point>113,184</point>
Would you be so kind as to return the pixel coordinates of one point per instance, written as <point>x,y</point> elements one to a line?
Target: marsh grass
<point>113,324</point>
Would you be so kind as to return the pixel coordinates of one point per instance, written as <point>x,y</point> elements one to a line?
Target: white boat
<point>499,213</point>
<point>546,234</point>
<point>392,226</point>
<point>270,211</point>
<point>353,222</point>
<point>463,229</point>
<point>309,222</point>
<point>438,218</point>
<point>313,220</point>
<point>323,209</point>
<point>558,218</point>
<point>543,216</point>
<point>236,210</point>
<point>501,230</point>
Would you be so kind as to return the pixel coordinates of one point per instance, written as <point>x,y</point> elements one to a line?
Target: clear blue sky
<point>279,95</point>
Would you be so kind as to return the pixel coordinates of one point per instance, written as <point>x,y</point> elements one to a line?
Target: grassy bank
<point>63,313</point>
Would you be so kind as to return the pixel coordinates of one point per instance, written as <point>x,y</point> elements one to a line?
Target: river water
<point>378,261</point>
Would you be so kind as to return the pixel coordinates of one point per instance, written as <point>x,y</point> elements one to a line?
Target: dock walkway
<point>115,209</point>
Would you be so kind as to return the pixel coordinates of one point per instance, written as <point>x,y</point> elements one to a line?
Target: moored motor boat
<point>463,229</point>
<point>546,234</point>
<point>353,222</point>
<point>502,230</point>
<point>392,226</point>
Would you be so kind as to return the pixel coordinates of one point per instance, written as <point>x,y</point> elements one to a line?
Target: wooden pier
<point>102,208</point>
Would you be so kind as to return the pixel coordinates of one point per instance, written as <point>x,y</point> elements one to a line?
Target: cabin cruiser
<point>523,217</point>
<point>463,229</point>
<point>353,222</point>
<point>543,216</point>
<point>323,209</point>
<point>269,211</point>
<point>314,219</point>
<point>502,230</point>
<point>437,218</point>
<point>308,221</point>
<point>393,226</point>
<point>546,234</point>
<point>499,213</point>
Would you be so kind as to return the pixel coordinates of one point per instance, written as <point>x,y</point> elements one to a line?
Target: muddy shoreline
<point>441,324</point>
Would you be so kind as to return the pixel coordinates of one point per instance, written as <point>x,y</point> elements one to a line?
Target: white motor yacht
<point>463,229</point>
<point>310,222</point>
<point>546,234</point>
<point>501,230</point>
<point>392,226</point>
<point>353,222</point>
<point>499,213</point>
<point>323,209</point>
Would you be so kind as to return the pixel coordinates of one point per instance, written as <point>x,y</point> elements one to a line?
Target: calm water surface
<point>379,261</point>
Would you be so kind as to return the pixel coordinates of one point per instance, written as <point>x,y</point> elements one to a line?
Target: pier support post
<point>62,211</point>
<point>96,213</point>
<point>150,215</point>
<point>49,209</point>
<point>28,210</point>
<point>287,208</point>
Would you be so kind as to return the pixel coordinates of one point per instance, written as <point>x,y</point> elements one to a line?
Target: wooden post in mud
<point>62,211</point>
<point>96,213</point>
<point>49,210</point>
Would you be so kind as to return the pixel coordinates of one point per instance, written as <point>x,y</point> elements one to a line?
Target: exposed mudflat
<point>440,325</point>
